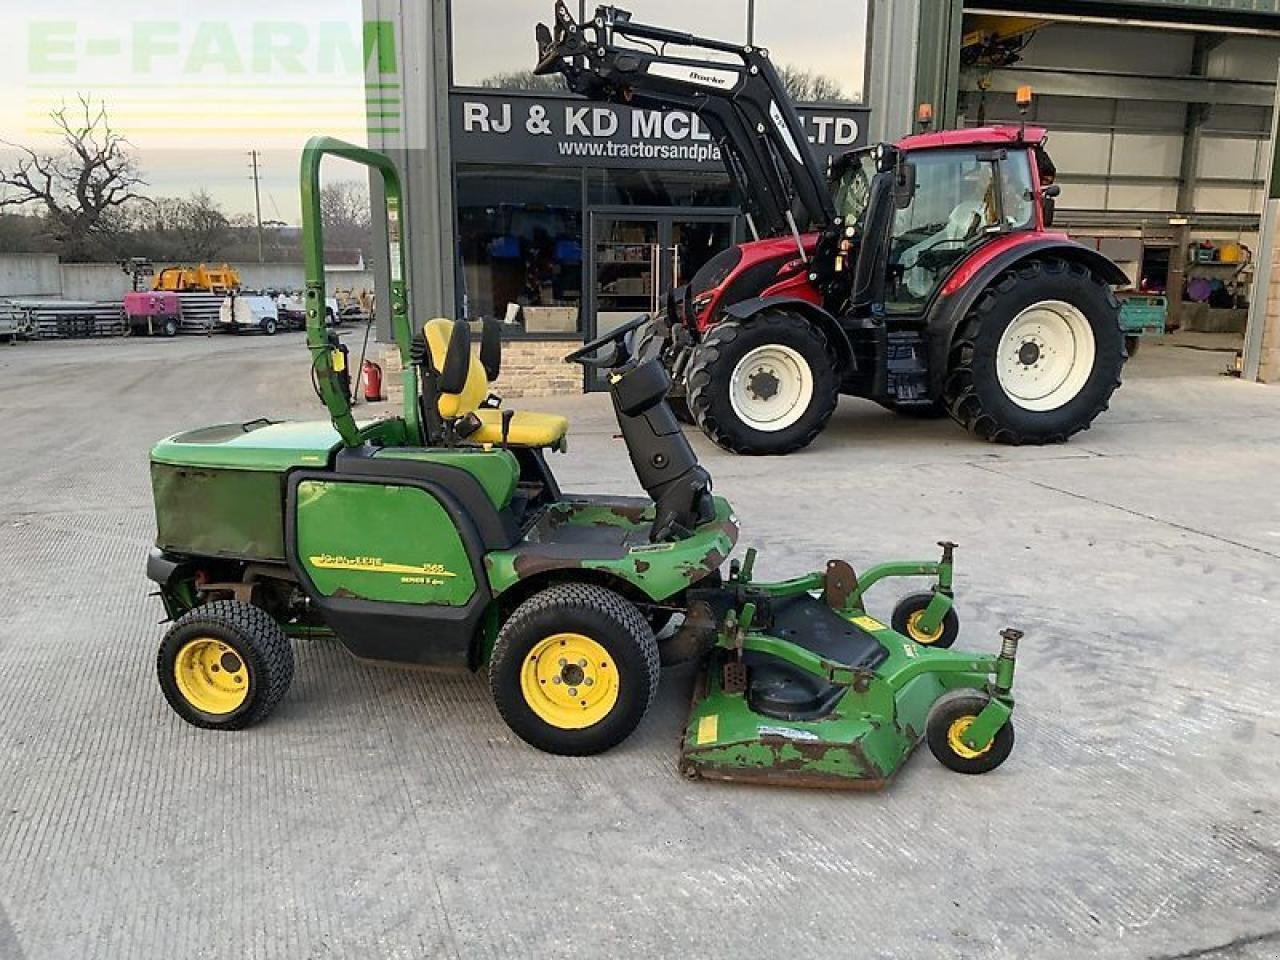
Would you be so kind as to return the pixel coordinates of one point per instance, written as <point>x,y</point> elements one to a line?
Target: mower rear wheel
<point>766,386</point>
<point>574,670</point>
<point>950,717</point>
<point>224,665</point>
<point>1038,356</point>
<point>906,618</point>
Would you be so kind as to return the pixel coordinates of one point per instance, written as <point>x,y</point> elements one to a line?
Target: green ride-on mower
<point>440,538</point>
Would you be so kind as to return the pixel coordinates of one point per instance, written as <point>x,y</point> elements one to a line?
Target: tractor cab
<point>949,196</point>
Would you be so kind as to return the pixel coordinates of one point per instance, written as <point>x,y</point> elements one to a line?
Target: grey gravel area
<point>389,813</point>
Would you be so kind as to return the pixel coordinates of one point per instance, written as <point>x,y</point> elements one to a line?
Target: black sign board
<point>515,129</point>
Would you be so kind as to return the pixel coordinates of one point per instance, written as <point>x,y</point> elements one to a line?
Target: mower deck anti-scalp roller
<point>441,538</point>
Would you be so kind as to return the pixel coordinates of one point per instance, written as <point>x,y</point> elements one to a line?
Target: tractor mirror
<point>904,184</point>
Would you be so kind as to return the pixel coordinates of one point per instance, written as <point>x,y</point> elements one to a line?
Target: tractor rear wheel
<point>767,386</point>
<point>574,669</point>
<point>1038,356</point>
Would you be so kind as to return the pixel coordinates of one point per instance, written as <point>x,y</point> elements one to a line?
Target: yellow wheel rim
<point>955,738</point>
<point>211,676</point>
<point>569,681</point>
<point>918,633</point>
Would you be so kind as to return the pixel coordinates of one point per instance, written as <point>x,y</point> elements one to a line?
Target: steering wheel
<point>616,337</point>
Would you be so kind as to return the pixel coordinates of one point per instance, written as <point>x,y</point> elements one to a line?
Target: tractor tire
<point>642,345</point>
<point>679,404</point>
<point>738,397</point>
<point>1038,356</point>
<point>574,669</point>
<point>170,328</point>
<point>925,411</point>
<point>224,665</point>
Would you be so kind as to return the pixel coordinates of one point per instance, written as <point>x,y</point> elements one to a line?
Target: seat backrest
<point>462,385</point>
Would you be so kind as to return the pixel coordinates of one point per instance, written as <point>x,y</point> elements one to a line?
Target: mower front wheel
<point>224,665</point>
<point>906,621</point>
<point>950,717</point>
<point>574,669</point>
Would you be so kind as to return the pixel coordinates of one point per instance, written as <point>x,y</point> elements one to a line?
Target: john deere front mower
<point>440,538</point>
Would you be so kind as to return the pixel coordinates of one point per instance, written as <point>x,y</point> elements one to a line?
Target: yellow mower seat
<point>527,429</point>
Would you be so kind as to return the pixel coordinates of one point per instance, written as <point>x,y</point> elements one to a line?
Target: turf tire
<point>255,637</point>
<point>915,602</point>
<point>605,617</point>
<point>954,706</point>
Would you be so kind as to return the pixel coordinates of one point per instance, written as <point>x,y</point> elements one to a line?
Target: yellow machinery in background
<point>223,279</point>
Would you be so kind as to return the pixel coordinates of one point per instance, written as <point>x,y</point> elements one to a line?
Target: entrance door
<point>635,256</point>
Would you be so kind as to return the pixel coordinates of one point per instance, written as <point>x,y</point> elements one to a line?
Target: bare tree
<point>806,86</point>
<point>524,80</point>
<point>344,211</point>
<point>78,186</point>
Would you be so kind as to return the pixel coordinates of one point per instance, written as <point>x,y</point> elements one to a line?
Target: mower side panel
<point>381,542</point>
<point>393,565</point>
<point>206,512</point>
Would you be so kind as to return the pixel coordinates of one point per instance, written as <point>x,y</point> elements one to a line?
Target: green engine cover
<point>383,542</point>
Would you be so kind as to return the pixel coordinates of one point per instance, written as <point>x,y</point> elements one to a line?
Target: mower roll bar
<point>324,355</point>
<point>743,103</point>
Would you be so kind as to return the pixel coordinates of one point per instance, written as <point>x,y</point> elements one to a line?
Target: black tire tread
<point>959,702</point>
<point>581,595</point>
<point>959,393</point>
<point>273,673</point>
<point>918,601</point>
<point>700,377</point>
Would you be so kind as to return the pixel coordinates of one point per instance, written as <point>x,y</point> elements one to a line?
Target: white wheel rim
<point>1045,356</point>
<point>771,388</point>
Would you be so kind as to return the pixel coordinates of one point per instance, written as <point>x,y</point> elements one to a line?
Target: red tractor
<point>921,275</point>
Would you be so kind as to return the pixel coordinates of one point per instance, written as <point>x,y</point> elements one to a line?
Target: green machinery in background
<point>439,537</point>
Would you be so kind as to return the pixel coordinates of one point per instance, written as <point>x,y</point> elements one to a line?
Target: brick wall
<point>1269,359</point>
<point>530,368</point>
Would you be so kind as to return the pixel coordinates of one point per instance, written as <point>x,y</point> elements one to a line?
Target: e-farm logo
<point>277,65</point>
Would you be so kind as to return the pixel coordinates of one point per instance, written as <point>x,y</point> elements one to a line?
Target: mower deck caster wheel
<point>950,717</point>
<point>906,620</point>
<point>224,665</point>
<point>574,669</point>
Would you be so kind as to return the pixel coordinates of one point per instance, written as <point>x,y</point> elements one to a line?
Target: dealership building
<point>563,217</point>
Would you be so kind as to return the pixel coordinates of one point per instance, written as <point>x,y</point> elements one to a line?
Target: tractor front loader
<point>921,275</point>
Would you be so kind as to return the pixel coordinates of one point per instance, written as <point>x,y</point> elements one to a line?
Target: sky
<point>194,86</point>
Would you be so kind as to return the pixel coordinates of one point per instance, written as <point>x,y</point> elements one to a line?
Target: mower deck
<point>826,699</point>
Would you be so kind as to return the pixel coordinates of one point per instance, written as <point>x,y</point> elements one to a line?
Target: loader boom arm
<point>738,95</point>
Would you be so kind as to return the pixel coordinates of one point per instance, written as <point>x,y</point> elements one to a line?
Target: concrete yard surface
<point>385,813</point>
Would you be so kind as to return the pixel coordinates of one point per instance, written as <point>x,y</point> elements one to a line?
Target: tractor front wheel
<point>766,386</point>
<point>574,669</point>
<point>1038,356</point>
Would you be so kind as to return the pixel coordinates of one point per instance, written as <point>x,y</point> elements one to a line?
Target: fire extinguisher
<point>372,381</point>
